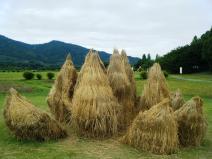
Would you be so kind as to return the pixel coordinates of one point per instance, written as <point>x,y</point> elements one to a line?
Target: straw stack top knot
<point>155,72</point>
<point>69,60</point>
<point>68,57</point>
<point>115,51</point>
<point>198,100</point>
<point>124,56</point>
<point>198,103</point>
<point>12,91</point>
<point>123,53</point>
<point>93,59</point>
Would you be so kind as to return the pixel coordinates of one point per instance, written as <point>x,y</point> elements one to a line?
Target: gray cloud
<point>147,26</point>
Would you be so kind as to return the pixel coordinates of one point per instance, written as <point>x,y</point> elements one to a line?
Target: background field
<point>74,147</point>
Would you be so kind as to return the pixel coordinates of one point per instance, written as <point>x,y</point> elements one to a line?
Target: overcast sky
<point>139,26</point>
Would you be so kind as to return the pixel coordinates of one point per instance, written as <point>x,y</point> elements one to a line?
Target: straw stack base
<point>154,130</point>
<point>26,121</point>
<point>191,122</point>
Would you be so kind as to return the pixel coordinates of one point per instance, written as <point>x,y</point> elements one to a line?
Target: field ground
<point>74,147</point>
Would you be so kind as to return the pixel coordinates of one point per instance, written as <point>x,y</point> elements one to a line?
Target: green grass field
<point>74,147</point>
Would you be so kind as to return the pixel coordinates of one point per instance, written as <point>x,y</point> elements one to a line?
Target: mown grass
<point>74,147</point>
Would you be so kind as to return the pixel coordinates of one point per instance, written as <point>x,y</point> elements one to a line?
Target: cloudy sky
<point>139,26</point>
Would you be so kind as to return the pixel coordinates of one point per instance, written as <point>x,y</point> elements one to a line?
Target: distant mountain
<point>16,54</point>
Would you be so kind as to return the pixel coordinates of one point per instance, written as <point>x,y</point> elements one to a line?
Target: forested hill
<point>19,55</point>
<point>195,57</point>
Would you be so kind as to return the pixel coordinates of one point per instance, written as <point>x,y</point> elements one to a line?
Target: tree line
<point>194,57</point>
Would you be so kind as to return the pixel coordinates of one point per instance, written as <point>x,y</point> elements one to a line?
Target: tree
<point>157,58</point>
<point>195,39</point>
<point>50,75</point>
<point>149,57</point>
<point>39,76</point>
<point>207,52</point>
<point>144,57</point>
<point>137,65</point>
<point>145,62</point>
<point>28,75</point>
<point>195,57</point>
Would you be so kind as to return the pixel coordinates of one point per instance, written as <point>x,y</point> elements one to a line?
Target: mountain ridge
<point>17,54</point>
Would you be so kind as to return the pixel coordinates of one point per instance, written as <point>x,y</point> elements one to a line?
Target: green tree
<point>157,58</point>
<point>145,62</point>
<point>39,76</point>
<point>144,57</point>
<point>207,52</point>
<point>28,75</point>
<point>50,75</point>
<point>195,39</point>
<point>149,57</point>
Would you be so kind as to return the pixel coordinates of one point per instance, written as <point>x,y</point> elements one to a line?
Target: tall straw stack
<point>177,100</point>
<point>192,123</point>
<point>60,96</point>
<point>130,75</point>
<point>155,89</point>
<point>95,108</point>
<point>154,130</point>
<point>26,121</point>
<point>121,87</point>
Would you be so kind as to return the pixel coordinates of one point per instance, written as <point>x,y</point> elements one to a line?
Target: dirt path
<point>190,79</point>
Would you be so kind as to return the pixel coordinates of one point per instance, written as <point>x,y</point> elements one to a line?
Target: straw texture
<point>95,108</point>
<point>192,123</point>
<point>26,121</point>
<point>121,87</point>
<point>155,89</point>
<point>154,130</point>
<point>60,96</point>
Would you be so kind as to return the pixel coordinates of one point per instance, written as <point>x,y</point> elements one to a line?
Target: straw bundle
<point>177,100</point>
<point>130,74</point>
<point>121,86</point>
<point>154,130</point>
<point>131,78</point>
<point>94,107</point>
<point>156,89</point>
<point>192,124</point>
<point>60,96</point>
<point>28,122</point>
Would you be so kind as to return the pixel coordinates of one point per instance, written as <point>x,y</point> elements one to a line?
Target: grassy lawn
<point>74,147</point>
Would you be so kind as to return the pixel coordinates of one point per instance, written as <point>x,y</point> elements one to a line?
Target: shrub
<point>166,74</point>
<point>28,75</point>
<point>39,76</point>
<point>50,75</point>
<point>143,74</point>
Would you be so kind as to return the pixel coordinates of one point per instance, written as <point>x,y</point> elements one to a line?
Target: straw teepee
<point>192,123</point>
<point>94,109</point>
<point>120,85</point>
<point>154,130</point>
<point>26,121</point>
<point>155,89</point>
<point>177,100</point>
<point>60,96</point>
<point>130,75</point>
